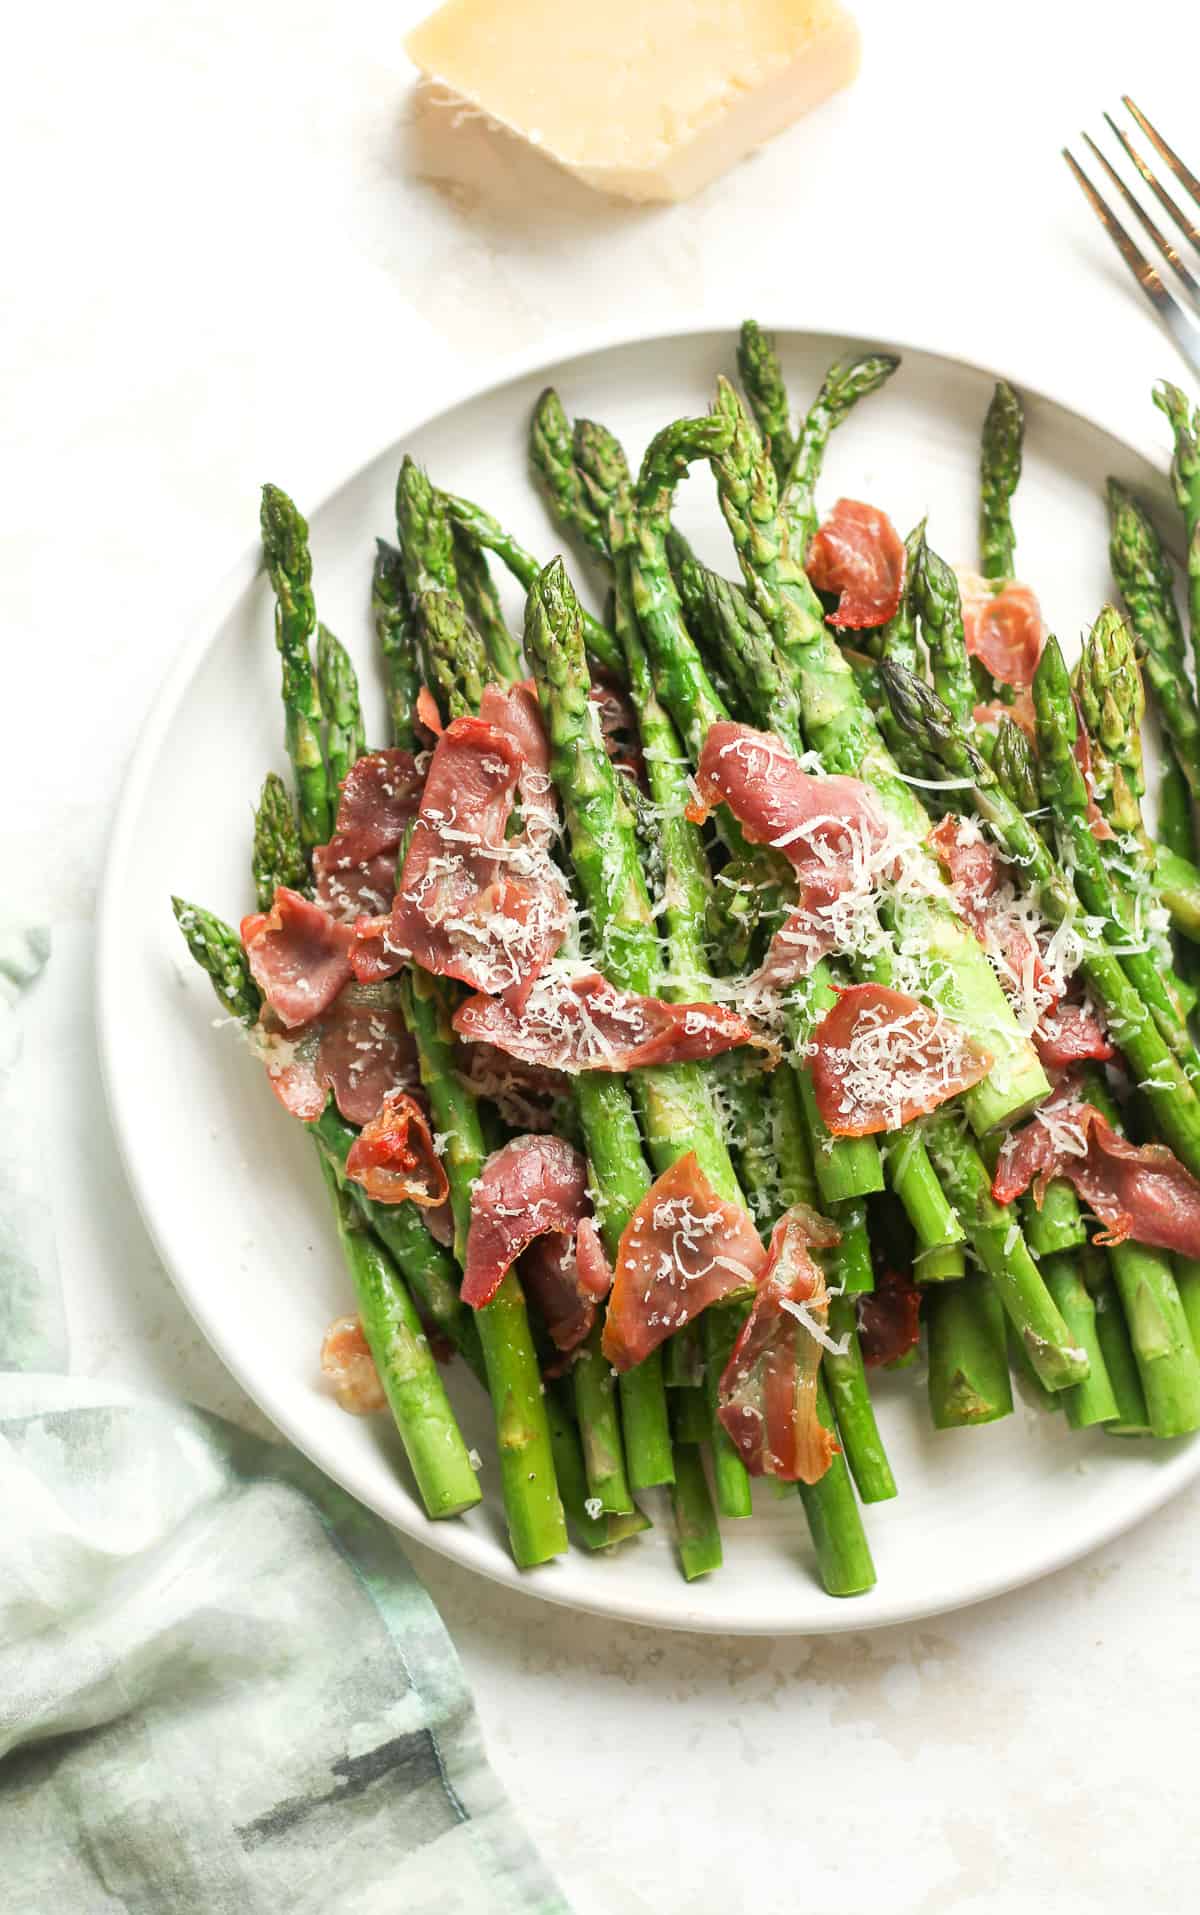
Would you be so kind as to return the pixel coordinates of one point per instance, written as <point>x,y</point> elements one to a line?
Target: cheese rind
<point>649,99</point>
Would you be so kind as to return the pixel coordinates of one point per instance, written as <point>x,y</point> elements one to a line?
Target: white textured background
<point>234,248</point>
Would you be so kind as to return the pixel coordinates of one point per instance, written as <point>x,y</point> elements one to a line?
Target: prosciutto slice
<point>858,554</point>
<point>767,1397</point>
<point>514,709</point>
<point>471,903</point>
<point>587,1024</point>
<point>349,1368</point>
<point>299,956</point>
<point>683,1248</point>
<point>394,1157</point>
<point>830,830</point>
<point>1067,1028</point>
<point>889,1319</point>
<point>1136,1190</point>
<point>360,1050</point>
<point>1004,628</point>
<point>567,1279</point>
<point>532,1197</point>
<point>881,1058</point>
<point>528,1096</point>
<point>356,870</point>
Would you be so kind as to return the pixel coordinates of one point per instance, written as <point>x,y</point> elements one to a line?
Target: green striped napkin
<point>222,1688</point>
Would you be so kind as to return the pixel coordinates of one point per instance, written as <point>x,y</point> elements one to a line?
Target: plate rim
<point>1175,1466</point>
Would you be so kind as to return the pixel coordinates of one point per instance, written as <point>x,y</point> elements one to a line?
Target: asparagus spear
<point>1144,576</point>
<point>407,1368</point>
<point>289,566</point>
<point>1064,790</point>
<point>553,458</point>
<point>676,1109</point>
<point>337,684</point>
<point>1179,888</point>
<point>531,1500</point>
<point>1166,1086</point>
<point>999,471</point>
<point>840,728</point>
<point>278,856</point>
<point>456,667</point>
<point>762,378</point>
<point>1166,1356</point>
<point>481,602</point>
<point>1185,479</point>
<point>391,608</point>
<point>935,590</point>
<point>602,647</point>
<point>843,386</point>
<point>968,1365</point>
<point>1112,1335</point>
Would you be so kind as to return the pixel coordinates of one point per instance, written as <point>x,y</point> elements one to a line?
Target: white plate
<point>226,1182</point>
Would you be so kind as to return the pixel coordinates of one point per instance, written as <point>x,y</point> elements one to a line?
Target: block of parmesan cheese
<point>649,99</point>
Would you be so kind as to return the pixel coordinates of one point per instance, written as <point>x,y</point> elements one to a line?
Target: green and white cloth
<point>222,1688</point>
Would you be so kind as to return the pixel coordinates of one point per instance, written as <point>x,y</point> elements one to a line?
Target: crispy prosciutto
<point>587,1024</point>
<point>767,1399</point>
<point>299,956</point>
<point>858,554</point>
<point>1004,628</point>
<point>830,830</point>
<point>881,1058</point>
<point>514,709</point>
<point>356,870</point>
<point>889,1319</point>
<point>349,1368</point>
<point>471,903</point>
<point>528,1096</point>
<point>1020,711</point>
<point>359,1049</point>
<point>567,1278</point>
<point>1136,1190</point>
<point>394,1158</point>
<point>531,1197</point>
<point>683,1248</point>
<point>1065,1028</point>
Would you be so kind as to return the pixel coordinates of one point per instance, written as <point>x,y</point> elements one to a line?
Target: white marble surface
<point>236,248</point>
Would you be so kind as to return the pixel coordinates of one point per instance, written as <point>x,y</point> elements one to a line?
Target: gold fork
<point>1175,309</point>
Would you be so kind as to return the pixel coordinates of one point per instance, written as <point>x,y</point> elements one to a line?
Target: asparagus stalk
<point>391,609</point>
<point>407,1369</point>
<point>1112,1335</point>
<point>553,459</point>
<point>697,1531</point>
<point>1158,1071</point>
<point>840,728</point>
<point>1092,1400</point>
<point>1179,888</point>
<point>1064,790</point>
<point>278,856</point>
<point>762,379</point>
<point>337,684</point>
<point>999,471</point>
<point>677,1111</point>
<point>935,590</point>
<point>1185,480</point>
<point>1141,570</point>
<point>289,567</point>
<point>481,602</point>
<point>531,1500</point>
<point>834,1521</point>
<point>456,666</point>
<point>486,531</point>
<point>841,389</point>
<point>968,1365</point>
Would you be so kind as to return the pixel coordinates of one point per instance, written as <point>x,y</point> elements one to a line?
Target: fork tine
<point>1187,179</point>
<point>1169,205</point>
<point>1160,239</point>
<point>1185,334</point>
